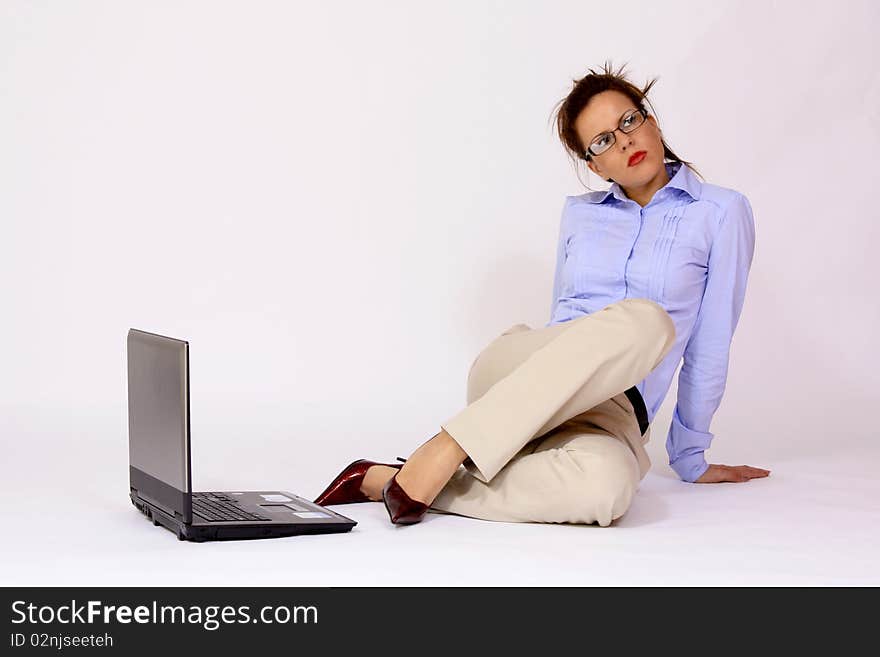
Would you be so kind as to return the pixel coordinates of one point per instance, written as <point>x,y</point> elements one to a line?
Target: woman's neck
<point>643,194</point>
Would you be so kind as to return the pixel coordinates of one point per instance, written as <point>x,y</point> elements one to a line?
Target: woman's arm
<point>560,260</point>
<point>703,375</point>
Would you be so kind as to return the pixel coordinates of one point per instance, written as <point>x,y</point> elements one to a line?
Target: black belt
<point>638,404</point>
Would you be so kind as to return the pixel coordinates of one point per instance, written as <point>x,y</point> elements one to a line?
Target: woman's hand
<point>718,473</point>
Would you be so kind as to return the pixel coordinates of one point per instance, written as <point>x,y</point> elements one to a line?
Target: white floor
<point>68,521</point>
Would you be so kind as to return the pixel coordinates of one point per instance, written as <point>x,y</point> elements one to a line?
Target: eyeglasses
<point>629,122</point>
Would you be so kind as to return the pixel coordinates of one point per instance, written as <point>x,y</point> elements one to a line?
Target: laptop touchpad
<point>285,508</point>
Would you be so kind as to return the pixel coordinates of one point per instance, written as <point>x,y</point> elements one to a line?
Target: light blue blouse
<point>690,250</point>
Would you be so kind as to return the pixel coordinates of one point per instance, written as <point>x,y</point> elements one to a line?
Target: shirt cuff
<point>691,467</point>
<point>686,449</point>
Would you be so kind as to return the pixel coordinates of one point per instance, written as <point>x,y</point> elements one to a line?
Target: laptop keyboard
<point>218,507</point>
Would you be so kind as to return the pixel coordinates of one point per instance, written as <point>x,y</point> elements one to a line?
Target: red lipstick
<point>636,157</point>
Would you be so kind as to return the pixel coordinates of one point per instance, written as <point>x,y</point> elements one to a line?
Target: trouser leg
<point>572,476</point>
<point>527,383</point>
<point>565,370</point>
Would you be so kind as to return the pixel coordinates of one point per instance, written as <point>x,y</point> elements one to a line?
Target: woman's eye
<point>601,141</point>
<point>627,120</point>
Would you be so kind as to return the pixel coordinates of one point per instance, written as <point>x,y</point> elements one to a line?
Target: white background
<point>339,204</point>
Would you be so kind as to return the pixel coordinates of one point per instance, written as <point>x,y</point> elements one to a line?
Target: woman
<point>649,272</point>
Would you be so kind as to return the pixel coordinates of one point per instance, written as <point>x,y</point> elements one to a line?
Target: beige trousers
<point>549,433</point>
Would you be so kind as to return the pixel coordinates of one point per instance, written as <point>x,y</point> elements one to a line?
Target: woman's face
<point>603,114</point>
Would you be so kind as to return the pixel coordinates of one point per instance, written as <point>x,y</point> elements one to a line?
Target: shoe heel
<point>402,509</point>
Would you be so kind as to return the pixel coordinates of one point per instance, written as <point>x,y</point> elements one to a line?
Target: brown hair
<point>584,89</point>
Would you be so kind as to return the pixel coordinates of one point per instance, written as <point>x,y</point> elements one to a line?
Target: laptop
<point>159,460</point>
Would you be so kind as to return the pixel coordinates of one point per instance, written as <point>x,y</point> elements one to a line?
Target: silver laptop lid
<point>158,421</point>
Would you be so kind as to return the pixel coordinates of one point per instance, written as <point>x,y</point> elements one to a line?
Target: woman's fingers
<point>745,472</point>
<point>719,472</point>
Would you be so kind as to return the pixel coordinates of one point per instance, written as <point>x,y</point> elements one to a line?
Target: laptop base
<point>229,532</point>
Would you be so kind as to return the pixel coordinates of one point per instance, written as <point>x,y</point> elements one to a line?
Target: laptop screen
<point>158,408</point>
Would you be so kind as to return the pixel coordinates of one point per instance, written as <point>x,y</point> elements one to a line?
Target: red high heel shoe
<point>346,488</point>
<point>402,509</point>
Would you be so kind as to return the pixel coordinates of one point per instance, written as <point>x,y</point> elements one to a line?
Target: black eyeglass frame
<point>625,115</point>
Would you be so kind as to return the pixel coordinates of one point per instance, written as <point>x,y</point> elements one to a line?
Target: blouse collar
<point>681,177</point>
